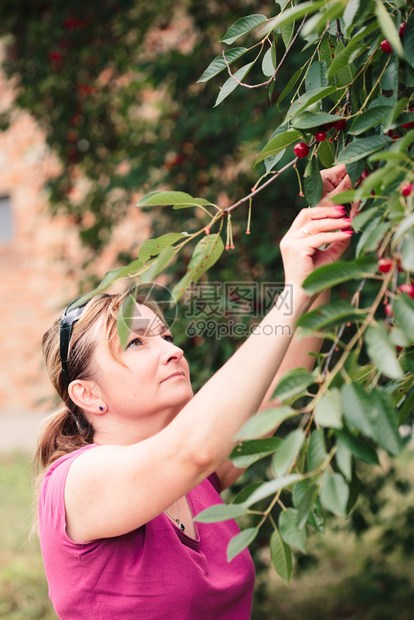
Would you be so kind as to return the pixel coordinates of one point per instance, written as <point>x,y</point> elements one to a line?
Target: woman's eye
<point>136,342</point>
<point>169,338</point>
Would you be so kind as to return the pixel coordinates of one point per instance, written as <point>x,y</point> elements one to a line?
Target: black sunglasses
<point>66,325</point>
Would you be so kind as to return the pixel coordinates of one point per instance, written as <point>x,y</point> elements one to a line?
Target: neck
<point>111,430</point>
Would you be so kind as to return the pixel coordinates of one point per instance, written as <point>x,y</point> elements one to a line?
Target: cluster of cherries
<point>384,266</point>
<point>386,45</point>
<point>301,149</point>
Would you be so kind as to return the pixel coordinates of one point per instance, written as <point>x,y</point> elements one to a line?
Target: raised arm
<point>112,490</point>
<point>335,180</point>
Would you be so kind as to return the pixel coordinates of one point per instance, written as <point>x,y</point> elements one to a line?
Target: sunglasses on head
<point>66,325</point>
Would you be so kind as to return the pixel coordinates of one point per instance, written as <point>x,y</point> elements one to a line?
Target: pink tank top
<point>152,573</point>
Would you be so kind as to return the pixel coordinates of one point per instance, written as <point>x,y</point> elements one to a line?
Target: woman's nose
<point>171,352</point>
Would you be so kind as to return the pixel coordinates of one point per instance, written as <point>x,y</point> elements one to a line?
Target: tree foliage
<point>347,98</point>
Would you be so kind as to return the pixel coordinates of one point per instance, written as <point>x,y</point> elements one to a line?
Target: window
<point>6,219</point>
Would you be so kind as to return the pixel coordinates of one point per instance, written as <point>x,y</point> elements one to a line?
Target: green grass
<point>344,577</point>
<point>23,586</point>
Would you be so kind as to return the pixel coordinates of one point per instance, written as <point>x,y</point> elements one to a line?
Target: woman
<point>134,455</point>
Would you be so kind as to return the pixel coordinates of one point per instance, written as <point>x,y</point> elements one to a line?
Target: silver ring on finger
<point>305,231</point>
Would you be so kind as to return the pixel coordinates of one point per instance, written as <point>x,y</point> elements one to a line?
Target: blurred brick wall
<point>40,264</point>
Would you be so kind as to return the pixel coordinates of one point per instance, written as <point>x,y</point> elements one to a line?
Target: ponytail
<point>62,433</point>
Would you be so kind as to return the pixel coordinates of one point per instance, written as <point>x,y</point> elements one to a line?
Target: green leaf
<point>407,407</point>
<point>248,452</point>
<point>335,273</point>
<point>409,40</point>
<point>312,183</point>
<point>358,447</point>
<point>406,225</point>
<point>404,315</point>
<point>372,236</point>
<point>239,542</point>
<point>292,383</point>
<point>328,412</point>
<point>218,64</point>
<point>344,57</point>
<point>270,162</point>
<point>389,79</point>
<point>388,28</point>
<point>221,512</point>
<point>290,84</point>
<point>231,84</point>
<point>399,106</point>
<point>373,414</point>
<point>405,142</point>
<point>317,22</point>
<point>269,62</point>
<point>270,488</point>
<point>206,253</point>
<point>124,320</point>
<point>350,11</point>
<point>368,119</point>
<point>287,31</point>
<point>281,556</point>
<point>407,252</point>
<point>308,120</point>
<point>330,314</point>
<point>292,14</point>
<point>242,26</point>
<point>316,76</point>
<point>334,494</point>
<point>361,147</point>
<point>316,454</point>
<point>357,405</point>
<point>110,277</point>
<point>363,218</point>
<point>384,422</point>
<point>288,452</point>
<point>279,142</point>
<point>289,530</point>
<point>153,247</point>
<point>343,458</point>
<point>246,492</point>
<point>170,198</point>
<point>382,352</point>
<point>326,153</point>
<point>264,422</point>
<point>303,497</point>
<point>163,260</point>
<point>306,100</point>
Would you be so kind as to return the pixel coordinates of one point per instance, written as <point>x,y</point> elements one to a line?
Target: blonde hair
<point>68,429</point>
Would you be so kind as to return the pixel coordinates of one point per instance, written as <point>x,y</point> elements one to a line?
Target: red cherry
<point>340,125</point>
<point>406,188</point>
<point>320,136</point>
<point>55,56</point>
<point>385,264</point>
<point>388,309</point>
<point>386,46</point>
<point>402,29</point>
<point>407,288</point>
<point>410,124</point>
<point>301,149</point>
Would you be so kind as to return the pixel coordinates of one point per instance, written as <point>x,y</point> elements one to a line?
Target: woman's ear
<point>87,395</point>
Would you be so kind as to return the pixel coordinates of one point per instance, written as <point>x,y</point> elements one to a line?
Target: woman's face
<point>155,377</point>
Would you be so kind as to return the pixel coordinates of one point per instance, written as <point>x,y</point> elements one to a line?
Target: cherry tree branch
<point>274,176</point>
<point>280,65</point>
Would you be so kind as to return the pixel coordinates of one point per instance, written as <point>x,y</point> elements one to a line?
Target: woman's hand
<point>327,224</point>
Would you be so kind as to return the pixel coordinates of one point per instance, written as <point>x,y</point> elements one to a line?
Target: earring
<point>101,408</point>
